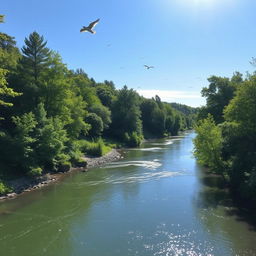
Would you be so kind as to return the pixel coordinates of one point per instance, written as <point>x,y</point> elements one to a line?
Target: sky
<point>186,41</point>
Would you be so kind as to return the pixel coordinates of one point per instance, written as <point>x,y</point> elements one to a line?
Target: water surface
<point>155,201</point>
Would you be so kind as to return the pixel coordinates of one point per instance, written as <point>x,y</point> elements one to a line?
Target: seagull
<point>148,67</point>
<point>1,18</point>
<point>90,27</point>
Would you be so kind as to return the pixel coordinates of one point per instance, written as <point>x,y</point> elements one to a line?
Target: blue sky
<point>186,40</point>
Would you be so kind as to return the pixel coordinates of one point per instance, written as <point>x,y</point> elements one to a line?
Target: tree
<point>4,90</point>
<point>50,140</point>
<point>96,124</point>
<point>208,144</point>
<point>218,95</point>
<point>9,55</point>
<point>36,55</point>
<point>242,109</point>
<point>240,138</point>
<point>126,114</point>
<point>106,94</point>
<point>103,112</point>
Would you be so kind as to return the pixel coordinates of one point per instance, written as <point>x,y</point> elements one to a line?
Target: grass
<point>94,148</point>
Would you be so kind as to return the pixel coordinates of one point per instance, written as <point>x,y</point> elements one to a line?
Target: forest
<point>226,133</point>
<point>51,115</point>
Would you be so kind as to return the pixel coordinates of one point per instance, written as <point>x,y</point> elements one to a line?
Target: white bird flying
<point>148,67</point>
<point>90,27</point>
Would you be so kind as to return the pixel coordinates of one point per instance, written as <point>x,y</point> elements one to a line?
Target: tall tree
<point>36,55</point>
<point>126,113</point>
<point>218,94</point>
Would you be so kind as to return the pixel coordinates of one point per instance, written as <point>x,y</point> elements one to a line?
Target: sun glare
<point>199,2</point>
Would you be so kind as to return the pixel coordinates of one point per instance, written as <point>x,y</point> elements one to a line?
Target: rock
<point>10,195</point>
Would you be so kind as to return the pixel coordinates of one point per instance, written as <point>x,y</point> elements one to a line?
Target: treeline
<point>226,133</point>
<point>51,116</point>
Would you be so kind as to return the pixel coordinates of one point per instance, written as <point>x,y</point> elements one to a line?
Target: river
<point>155,201</point>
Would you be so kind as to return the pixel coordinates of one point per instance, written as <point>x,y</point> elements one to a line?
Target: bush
<point>97,148</point>
<point>35,171</point>
<point>75,153</point>
<point>133,140</point>
<point>4,189</point>
<point>64,167</point>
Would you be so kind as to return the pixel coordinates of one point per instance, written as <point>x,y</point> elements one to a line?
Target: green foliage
<point>126,114</point>
<point>242,108</point>
<point>4,189</point>
<point>36,55</point>
<point>231,144</point>
<point>106,94</point>
<point>133,140</point>
<point>96,124</point>
<point>97,148</point>
<point>208,144</point>
<point>9,55</point>
<point>23,142</point>
<point>4,90</point>
<point>64,166</point>
<point>74,151</point>
<point>103,112</point>
<point>35,171</point>
<point>58,108</point>
<point>218,95</point>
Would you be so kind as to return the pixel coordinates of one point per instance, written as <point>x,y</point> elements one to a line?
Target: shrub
<point>133,140</point>
<point>4,189</point>
<point>97,148</point>
<point>35,171</point>
<point>64,167</point>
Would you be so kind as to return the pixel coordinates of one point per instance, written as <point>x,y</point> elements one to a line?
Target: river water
<point>155,201</point>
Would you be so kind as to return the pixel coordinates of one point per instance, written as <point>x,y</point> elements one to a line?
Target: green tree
<point>218,94</point>
<point>50,140</point>
<point>106,94</point>
<point>4,90</point>
<point>103,112</point>
<point>96,124</point>
<point>126,114</point>
<point>208,144</point>
<point>22,150</point>
<point>240,139</point>
<point>36,55</point>
<point>9,55</point>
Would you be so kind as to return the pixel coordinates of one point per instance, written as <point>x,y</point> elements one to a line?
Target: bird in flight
<point>148,67</point>
<point>1,18</point>
<point>90,27</point>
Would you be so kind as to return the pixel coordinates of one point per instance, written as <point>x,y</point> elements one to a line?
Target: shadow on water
<point>215,193</point>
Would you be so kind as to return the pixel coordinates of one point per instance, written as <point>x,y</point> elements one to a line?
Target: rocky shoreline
<point>26,184</point>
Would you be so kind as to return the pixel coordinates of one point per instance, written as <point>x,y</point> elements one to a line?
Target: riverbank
<point>25,184</point>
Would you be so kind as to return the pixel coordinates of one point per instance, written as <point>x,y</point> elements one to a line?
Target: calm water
<point>156,201</point>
